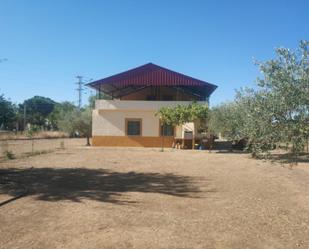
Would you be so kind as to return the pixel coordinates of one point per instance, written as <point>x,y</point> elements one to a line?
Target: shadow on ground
<point>226,147</point>
<point>75,184</point>
<point>288,158</point>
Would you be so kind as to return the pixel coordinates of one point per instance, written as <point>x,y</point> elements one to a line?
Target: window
<point>167,130</point>
<point>133,127</point>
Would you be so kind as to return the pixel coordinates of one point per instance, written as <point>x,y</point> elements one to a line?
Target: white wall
<point>137,104</point>
<point>112,122</point>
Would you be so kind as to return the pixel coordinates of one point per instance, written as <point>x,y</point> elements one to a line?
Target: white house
<point>127,117</point>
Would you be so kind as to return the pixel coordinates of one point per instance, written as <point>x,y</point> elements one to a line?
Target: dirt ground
<point>21,147</point>
<point>83,197</point>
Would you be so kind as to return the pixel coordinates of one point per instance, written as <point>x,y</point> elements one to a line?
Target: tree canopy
<point>7,113</point>
<point>59,112</point>
<point>77,123</point>
<point>37,110</point>
<point>181,114</point>
<point>44,113</point>
<point>276,111</point>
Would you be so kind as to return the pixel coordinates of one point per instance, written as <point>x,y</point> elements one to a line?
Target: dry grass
<point>40,134</point>
<point>22,148</point>
<point>142,198</point>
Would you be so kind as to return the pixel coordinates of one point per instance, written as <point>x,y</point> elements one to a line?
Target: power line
<point>80,90</point>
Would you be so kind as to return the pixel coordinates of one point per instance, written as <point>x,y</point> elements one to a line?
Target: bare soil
<point>84,197</point>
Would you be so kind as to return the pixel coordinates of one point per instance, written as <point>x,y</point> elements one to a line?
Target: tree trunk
<point>88,141</point>
<point>32,145</point>
<point>193,137</point>
<point>162,141</point>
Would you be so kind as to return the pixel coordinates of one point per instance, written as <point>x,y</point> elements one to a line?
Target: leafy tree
<point>286,80</point>
<point>7,113</point>
<point>226,119</point>
<point>182,114</point>
<point>83,124</point>
<point>77,122</point>
<point>277,111</point>
<point>60,110</point>
<point>257,127</point>
<point>37,109</point>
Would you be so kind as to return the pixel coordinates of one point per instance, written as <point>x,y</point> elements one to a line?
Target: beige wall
<point>110,115</point>
<point>112,122</point>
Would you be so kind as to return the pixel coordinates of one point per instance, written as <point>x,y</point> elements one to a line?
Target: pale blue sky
<point>48,43</point>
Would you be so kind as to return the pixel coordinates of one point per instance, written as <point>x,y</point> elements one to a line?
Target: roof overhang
<point>151,75</point>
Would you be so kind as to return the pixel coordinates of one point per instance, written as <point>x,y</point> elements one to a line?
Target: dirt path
<point>143,198</point>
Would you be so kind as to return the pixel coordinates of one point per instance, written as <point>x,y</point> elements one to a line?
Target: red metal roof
<point>151,75</point>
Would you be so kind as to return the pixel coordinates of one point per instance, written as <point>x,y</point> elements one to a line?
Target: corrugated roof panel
<point>152,75</point>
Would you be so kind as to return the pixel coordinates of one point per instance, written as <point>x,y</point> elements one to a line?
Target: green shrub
<point>9,155</point>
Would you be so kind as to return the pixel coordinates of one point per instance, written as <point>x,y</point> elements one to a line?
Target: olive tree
<point>286,81</point>
<point>276,111</point>
<point>77,122</point>
<point>182,114</point>
<point>7,113</point>
<point>226,119</point>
